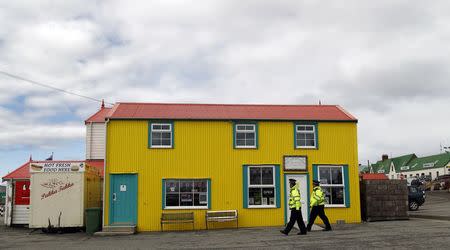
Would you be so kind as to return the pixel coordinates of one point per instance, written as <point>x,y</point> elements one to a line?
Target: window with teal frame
<point>245,135</point>
<point>334,181</point>
<point>261,186</point>
<point>160,134</point>
<point>186,194</point>
<point>306,135</point>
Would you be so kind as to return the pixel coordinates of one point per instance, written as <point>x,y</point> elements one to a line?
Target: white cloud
<point>384,61</point>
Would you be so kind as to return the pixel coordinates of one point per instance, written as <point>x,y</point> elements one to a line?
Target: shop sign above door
<point>295,163</point>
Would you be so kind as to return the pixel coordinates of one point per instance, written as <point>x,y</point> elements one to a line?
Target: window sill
<point>241,147</point>
<point>265,206</point>
<point>186,208</point>
<point>334,206</point>
<point>152,147</point>
<point>306,147</point>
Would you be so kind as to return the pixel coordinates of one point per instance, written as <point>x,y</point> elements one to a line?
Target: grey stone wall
<point>384,200</point>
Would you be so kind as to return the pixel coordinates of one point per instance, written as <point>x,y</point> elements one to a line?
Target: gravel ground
<point>416,233</point>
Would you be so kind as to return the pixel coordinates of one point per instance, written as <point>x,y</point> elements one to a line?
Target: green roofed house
<point>412,166</point>
<point>393,167</point>
<point>364,169</point>
<point>382,167</point>
<point>433,166</point>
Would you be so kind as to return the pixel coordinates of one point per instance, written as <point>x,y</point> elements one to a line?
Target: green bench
<point>177,218</point>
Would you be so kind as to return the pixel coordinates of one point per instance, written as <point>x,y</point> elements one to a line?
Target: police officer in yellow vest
<point>296,212</point>
<point>317,203</point>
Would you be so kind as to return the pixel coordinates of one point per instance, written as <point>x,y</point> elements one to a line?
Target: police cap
<point>292,181</point>
<point>316,182</point>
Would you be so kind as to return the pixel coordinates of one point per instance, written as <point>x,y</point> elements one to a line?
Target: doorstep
<point>113,230</point>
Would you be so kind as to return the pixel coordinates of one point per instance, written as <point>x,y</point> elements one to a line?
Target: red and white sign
<point>52,167</point>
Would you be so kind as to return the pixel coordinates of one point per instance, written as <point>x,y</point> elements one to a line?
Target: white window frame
<point>297,133</point>
<point>170,130</point>
<point>179,192</point>
<point>273,185</point>
<point>334,185</point>
<point>236,131</point>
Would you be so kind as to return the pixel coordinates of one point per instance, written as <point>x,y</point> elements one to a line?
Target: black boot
<point>283,232</point>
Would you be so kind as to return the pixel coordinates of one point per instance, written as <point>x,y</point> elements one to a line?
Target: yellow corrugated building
<point>196,158</point>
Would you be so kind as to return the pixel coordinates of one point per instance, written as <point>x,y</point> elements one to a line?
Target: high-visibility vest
<point>317,197</point>
<point>294,198</point>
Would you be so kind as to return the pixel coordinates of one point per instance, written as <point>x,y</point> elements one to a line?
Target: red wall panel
<point>22,193</point>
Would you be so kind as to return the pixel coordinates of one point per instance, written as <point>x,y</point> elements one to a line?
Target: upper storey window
<point>306,136</point>
<point>245,135</point>
<point>161,135</point>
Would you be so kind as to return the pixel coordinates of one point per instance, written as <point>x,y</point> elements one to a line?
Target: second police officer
<point>317,204</point>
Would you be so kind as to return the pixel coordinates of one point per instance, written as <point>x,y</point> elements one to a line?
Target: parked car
<point>416,197</point>
<point>415,182</point>
<point>444,181</point>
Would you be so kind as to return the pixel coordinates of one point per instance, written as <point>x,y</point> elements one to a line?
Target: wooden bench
<point>176,218</point>
<point>222,216</point>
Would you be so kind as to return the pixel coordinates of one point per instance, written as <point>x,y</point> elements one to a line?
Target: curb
<point>430,217</point>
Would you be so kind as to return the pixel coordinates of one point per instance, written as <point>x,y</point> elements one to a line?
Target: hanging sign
<point>295,163</point>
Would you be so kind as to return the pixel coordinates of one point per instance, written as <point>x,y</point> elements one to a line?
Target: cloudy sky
<point>386,62</point>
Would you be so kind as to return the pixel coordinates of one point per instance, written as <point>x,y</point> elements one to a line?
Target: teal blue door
<point>123,199</point>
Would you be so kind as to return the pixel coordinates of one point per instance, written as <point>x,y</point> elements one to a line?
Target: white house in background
<point>433,166</point>
<point>95,138</point>
<point>408,166</point>
<point>95,134</point>
<point>392,168</point>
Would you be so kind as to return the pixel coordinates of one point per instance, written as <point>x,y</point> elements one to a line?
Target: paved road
<point>414,233</point>
<point>437,206</point>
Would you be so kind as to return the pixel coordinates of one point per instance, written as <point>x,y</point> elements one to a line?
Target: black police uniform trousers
<point>318,210</point>
<point>296,215</point>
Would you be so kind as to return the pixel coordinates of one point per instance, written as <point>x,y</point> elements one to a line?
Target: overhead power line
<point>51,87</point>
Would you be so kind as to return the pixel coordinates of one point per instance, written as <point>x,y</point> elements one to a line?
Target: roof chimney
<point>384,157</point>
<point>103,103</point>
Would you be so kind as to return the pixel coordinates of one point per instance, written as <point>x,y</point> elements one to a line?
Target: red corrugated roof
<point>98,164</point>
<point>229,111</point>
<point>374,177</point>
<point>22,172</point>
<point>99,116</point>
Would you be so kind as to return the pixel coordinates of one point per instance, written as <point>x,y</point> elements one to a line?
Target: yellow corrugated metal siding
<point>204,149</point>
